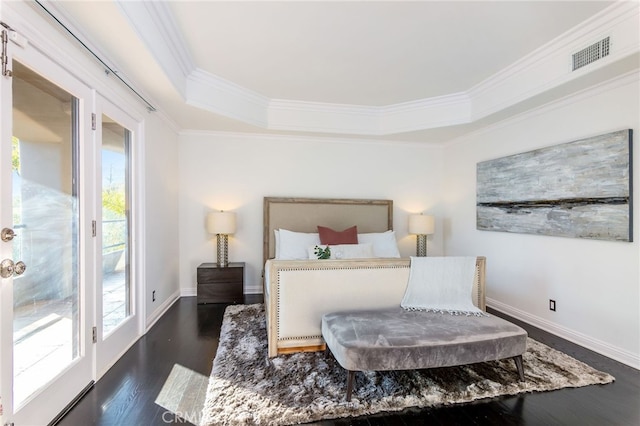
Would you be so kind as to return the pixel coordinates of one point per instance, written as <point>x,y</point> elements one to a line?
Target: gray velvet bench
<point>398,339</point>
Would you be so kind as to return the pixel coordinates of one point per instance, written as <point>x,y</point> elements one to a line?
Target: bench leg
<point>519,366</point>
<point>350,377</point>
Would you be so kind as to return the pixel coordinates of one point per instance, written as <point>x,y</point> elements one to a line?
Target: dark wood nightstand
<point>221,285</point>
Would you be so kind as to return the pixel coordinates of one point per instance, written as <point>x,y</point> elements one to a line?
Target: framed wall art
<point>580,189</point>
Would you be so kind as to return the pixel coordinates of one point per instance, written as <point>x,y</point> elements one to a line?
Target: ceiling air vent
<point>591,54</point>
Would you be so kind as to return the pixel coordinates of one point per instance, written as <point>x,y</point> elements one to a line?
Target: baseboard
<point>193,291</point>
<point>255,289</point>
<point>603,348</point>
<point>188,291</point>
<point>160,310</point>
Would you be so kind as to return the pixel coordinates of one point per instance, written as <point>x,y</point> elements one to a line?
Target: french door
<point>67,287</point>
<point>46,251</point>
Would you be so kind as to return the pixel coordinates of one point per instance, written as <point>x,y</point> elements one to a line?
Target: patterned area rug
<point>245,388</point>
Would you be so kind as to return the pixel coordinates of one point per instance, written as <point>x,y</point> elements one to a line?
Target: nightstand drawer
<point>220,293</point>
<point>220,285</point>
<point>215,275</point>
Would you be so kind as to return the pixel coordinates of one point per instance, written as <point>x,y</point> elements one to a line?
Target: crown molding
<point>161,15</point>
<point>225,136</point>
<point>215,94</point>
<point>545,68</point>
<point>573,39</point>
<point>154,23</point>
<point>370,120</point>
<point>550,65</point>
<point>621,80</point>
<point>323,117</point>
<point>430,113</point>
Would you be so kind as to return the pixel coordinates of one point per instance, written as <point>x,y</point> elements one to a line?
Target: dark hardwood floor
<point>188,335</point>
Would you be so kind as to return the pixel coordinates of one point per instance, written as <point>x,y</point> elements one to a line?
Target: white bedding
<point>292,245</point>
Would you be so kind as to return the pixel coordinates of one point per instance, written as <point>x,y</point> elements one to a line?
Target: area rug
<point>246,388</point>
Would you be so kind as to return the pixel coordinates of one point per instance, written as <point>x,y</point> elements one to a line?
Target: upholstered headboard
<point>305,214</point>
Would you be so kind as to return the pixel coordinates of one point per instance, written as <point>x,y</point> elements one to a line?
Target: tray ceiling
<point>277,60</point>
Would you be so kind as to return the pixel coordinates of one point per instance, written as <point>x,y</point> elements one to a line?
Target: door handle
<point>19,267</point>
<point>8,268</point>
<point>7,234</point>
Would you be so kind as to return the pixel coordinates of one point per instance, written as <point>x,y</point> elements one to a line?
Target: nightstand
<point>220,285</point>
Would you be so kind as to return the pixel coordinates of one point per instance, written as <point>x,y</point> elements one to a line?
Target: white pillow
<point>345,251</point>
<point>384,243</point>
<point>276,233</point>
<point>293,245</point>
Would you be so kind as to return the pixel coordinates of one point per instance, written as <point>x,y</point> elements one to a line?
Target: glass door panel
<point>45,219</point>
<point>119,323</point>
<point>116,299</point>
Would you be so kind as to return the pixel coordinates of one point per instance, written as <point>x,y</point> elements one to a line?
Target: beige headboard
<point>305,214</point>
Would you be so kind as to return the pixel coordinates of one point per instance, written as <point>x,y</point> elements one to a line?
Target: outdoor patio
<point>43,335</point>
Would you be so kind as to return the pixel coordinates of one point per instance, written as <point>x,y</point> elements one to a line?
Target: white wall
<point>161,190</point>
<point>595,283</point>
<point>234,172</point>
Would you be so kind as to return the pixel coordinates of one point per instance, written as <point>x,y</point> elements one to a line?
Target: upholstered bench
<point>399,339</point>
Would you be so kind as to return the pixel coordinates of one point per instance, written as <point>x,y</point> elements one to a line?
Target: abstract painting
<point>579,189</point>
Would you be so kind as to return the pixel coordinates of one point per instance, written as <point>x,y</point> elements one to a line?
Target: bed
<point>298,292</point>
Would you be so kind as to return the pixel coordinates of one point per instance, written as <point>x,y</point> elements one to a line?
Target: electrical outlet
<point>552,305</point>
<point>153,296</point>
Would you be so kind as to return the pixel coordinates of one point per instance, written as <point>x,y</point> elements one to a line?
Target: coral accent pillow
<point>329,236</point>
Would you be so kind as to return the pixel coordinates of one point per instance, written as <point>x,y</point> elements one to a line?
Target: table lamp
<point>222,224</point>
<point>421,225</point>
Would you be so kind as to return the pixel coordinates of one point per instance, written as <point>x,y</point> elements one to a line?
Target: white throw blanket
<point>441,284</point>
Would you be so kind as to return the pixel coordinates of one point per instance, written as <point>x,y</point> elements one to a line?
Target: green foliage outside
<point>114,229</point>
<point>15,154</point>
<point>113,202</point>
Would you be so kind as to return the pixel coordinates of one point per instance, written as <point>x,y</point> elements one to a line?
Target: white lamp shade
<point>420,224</point>
<point>221,223</point>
